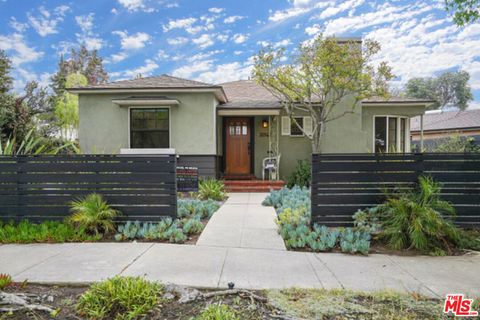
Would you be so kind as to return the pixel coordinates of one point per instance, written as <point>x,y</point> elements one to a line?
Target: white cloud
<point>335,9</point>
<point>313,30</point>
<point>222,37</point>
<point>216,10</point>
<point>18,26</point>
<point>299,7</point>
<point>283,43</point>
<point>188,71</point>
<point>85,22</point>
<point>46,23</point>
<point>177,41</point>
<point>135,5</point>
<point>232,19</point>
<point>144,70</point>
<point>204,55</point>
<point>87,37</point>
<point>204,41</point>
<point>179,24</point>
<point>117,57</point>
<point>240,38</point>
<point>22,53</point>
<point>220,73</point>
<point>134,41</point>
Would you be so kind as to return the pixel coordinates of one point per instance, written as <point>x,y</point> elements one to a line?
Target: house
<point>227,130</point>
<point>441,125</point>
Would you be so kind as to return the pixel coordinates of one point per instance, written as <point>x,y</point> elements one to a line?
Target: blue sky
<point>214,41</point>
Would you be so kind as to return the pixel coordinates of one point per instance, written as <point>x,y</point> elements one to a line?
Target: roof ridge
<point>184,79</point>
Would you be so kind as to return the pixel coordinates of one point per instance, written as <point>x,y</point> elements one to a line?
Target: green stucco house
<point>232,130</point>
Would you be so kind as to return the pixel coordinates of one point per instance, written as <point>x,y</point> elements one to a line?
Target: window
<point>290,128</point>
<point>295,126</point>
<point>390,134</point>
<point>149,128</point>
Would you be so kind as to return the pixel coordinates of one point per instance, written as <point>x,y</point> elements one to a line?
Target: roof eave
<point>216,90</point>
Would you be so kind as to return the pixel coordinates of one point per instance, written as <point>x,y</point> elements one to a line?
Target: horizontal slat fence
<point>344,183</point>
<point>40,188</point>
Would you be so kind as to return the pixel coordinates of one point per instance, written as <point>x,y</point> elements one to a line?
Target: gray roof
<point>448,120</point>
<point>400,100</point>
<point>248,94</point>
<point>163,81</point>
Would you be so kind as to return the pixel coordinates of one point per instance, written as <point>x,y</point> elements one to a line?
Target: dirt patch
<point>273,304</point>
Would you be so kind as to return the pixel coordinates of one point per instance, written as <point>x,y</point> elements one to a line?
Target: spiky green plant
<point>212,189</point>
<point>31,145</point>
<point>93,214</point>
<point>5,280</point>
<point>218,312</point>
<point>419,219</point>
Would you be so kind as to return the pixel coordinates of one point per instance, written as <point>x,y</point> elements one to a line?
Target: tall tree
<point>66,108</point>
<point>321,75</point>
<point>450,89</point>
<point>83,61</point>
<point>464,11</point>
<point>6,80</point>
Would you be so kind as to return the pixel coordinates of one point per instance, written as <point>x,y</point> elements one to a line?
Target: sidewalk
<point>242,222</point>
<point>203,266</point>
<point>238,245</point>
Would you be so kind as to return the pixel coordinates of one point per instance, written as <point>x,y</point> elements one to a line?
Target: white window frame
<point>291,123</point>
<point>407,133</point>
<point>169,126</point>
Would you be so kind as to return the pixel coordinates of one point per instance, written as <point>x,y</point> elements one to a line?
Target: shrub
<point>293,198</point>
<point>192,226</point>
<point>419,219</point>
<point>5,280</point>
<point>218,312</point>
<point>119,298</point>
<point>301,176</point>
<point>354,241</point>
<point>458,144</point>
<point>211,189</point>
<point>192,208</point>
<point>93,214</point>
<point>322,238</point>
<point>367,220</point>
<point>48,231</point>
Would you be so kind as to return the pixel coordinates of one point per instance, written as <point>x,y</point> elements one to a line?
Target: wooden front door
<point>237,143</point>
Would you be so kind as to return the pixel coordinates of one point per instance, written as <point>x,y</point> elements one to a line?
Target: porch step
<point>253,185</point>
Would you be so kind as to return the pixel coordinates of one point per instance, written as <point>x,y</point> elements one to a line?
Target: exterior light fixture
<point>265,123</point>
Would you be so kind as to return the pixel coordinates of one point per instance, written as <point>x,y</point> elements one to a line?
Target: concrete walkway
<point>242,222</point>
<point>240,245</point>
<point>205,266</point>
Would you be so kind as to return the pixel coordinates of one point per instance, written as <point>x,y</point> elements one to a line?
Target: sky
<point>215,41</point>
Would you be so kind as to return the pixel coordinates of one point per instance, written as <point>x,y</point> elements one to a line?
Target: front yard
<point>93,220</point>
<point>173,302</point>
<point>411,223</point>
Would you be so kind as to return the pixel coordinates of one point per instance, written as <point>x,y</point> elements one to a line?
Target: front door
<point>237,144</point>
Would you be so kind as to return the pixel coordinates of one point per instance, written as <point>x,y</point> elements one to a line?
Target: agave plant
<point>419,219</point>
<point>93,214</point>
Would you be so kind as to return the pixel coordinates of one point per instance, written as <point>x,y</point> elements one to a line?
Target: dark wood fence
<point>344,183</point>
<point>40,187</point>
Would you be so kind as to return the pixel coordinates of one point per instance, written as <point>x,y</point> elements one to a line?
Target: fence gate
<point>344,183</point>
<point>40,187</point>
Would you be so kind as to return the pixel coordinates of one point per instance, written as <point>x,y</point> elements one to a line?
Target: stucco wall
<point>104,128</point>
<point>397,110</point>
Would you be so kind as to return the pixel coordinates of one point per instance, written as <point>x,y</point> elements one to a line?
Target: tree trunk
<point>317,138</point>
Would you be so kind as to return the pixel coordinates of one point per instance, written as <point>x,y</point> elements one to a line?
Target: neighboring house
<point>438,126</point>
<point>228,130</point>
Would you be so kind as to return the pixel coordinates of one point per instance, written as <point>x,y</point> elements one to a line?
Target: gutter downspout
<point>421,133</point>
